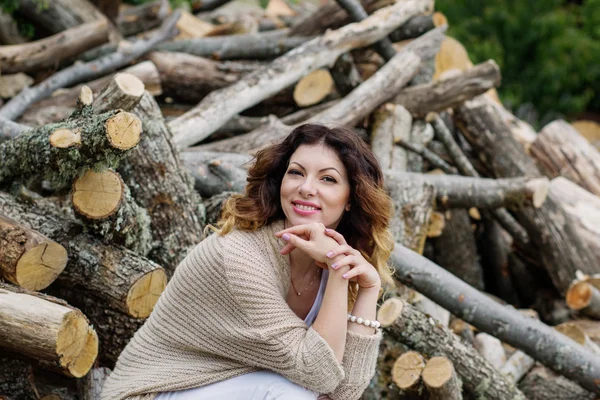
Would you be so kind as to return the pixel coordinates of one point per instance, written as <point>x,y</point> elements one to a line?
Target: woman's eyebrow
<point>321,170</point>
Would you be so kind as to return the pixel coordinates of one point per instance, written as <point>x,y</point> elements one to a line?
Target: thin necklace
<point>311,282</point>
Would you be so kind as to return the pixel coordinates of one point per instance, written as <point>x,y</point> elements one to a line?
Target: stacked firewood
<point>108,180</point>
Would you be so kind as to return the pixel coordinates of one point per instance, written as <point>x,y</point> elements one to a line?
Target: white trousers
<point>260,385</point>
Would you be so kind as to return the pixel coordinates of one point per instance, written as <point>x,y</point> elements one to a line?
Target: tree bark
<point>103,202</point>
<point>141,18</point>
<point>58,152</point>
<point>29,259</point>
<point>214,205</point>
<point>157,179</point>
<point>123,279</point>
<point>86,71</point>
<point>491,349</point>
<point>91,385</point>
<point>9,31</point>
<point>449,92</point>
<point>47,52</point>
<point>517,366</point>
<point>531,336</point>
<point>218,107</point>
<point>68,344</point>
<point>414,27</point>
<point>345,74</point>
<point>543,384</point>
<point>413,328</point>
<point>560,246</point>
<point>454,191</point>
<point>441,380</point>
<point>390,124</point>
<point>252,46</point>
<point>456,251</point>
<point>58,15</point>
<point>561,151</point>
<point>123,91</point>
<point>216,172</point>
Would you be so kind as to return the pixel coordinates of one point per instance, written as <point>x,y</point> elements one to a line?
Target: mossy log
<point>123,91</point>
<point>159,183</point>
<point>105,204</point>
<point>123,279</point>
<point>543,384</point>
<point>58,152</point>
<point>413,328</point>
<point>48,330</point>
<point>27,258</point>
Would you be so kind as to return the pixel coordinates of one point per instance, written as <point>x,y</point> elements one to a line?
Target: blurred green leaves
<point>548,50</point>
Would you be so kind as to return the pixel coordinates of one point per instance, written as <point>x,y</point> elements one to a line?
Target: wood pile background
<point>108,179</point>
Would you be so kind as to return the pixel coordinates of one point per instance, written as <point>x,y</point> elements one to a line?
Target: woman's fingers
<point>294,241</point>
<point>336,235</point>
<point>354,272</point>
<point>348,260</point>
<point>304,229</point>
<point>343,249</point>
<point>287,249</point>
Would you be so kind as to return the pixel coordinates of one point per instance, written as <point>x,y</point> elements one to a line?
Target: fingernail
<point>329,254</point>
<point>286,236</point>
<point>345,275</point>
<point>327,230</point>
<point>334,266</point>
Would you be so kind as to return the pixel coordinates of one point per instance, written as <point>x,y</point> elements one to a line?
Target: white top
<point>260,385</point>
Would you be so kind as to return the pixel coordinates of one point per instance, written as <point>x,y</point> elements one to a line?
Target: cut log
<point>124,91</point>
<point>190,78</point>
<point>464,192</point>
<point>352,108</point>
<point>561,151</point>
<point>214,174</point>
<point>391,123</point>
<point>425,154</point>
<point>423,304</point>
<point>86,71</point>
<point>550,228</point>
<point>517,366</point>
<point>68,344</point>
<point>218,107</point>
<point>441,380</point>
<point>345,75</point>
<point>491,349</point>
<point>190,27</point>
<point>102,200</point>
<point>437,222</point>
<point>155,175</point>
<point>407,370</point>
<point>528,335</point>
<point>591,328</point>
<point>61,14</point>
<point>413,204</point>
<point>58,152</point>
<point>421,133</point>
<point>9,31</point>
<point>49,51</point>
<point>590,130</point>
<point>214,206</point>
<point>452,56</point>
<point>27,258</point>
<point>123,279</point>
<point>577,334</point>
<point>583,296</point>
<point>456,249</point>
<point>313,88</point>
<point>464,330</point>
<point>451,91</point>
<point>413,328</point>
<point>133,20</point>
<point>254,46</point>
<point>414,27</point>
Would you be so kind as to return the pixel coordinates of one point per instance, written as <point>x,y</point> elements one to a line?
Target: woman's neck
<point>302,263</point>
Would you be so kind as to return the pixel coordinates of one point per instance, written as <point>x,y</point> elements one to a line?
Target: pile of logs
<point>108,179</point>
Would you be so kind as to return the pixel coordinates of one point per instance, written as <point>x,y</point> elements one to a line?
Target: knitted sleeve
<point>359,363</point>
<point>281,342</point>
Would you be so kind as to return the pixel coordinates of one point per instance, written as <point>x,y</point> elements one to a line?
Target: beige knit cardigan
<point>223,314</point>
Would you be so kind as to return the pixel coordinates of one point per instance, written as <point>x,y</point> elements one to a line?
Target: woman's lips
<point>304,213</point>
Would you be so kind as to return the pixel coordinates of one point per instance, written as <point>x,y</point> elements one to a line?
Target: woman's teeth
<point>305,208</point>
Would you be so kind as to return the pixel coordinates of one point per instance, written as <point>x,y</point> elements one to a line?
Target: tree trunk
<point>413,328</point>
<point>124,91</point>
<point>155,175</point>
<point>216,172</point>
<point>550,228</point>
<point>29,259</point>
<point>58,15</point>
<point>561,151</point>
<point>58,152</point>
<point>47,52</point>
<point>67,343</point>
<point>391,123</point>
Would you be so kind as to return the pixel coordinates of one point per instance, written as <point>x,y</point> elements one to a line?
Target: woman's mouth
<point>304,209</point>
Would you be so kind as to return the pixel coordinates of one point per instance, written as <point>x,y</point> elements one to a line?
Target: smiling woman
<point>314,219</point>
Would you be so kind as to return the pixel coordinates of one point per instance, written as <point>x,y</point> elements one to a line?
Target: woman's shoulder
<point>264,235</point>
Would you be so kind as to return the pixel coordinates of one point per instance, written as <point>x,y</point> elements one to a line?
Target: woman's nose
<point>307,188</point>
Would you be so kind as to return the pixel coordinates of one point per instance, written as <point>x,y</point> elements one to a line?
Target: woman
<point>314,219</point>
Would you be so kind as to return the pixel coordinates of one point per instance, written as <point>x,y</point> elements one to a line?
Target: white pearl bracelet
<point>365,322</point>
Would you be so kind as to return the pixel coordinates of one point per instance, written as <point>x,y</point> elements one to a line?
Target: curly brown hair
<point>365,227</point>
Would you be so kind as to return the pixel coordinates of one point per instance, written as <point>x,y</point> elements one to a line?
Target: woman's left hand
<point>361,271</point>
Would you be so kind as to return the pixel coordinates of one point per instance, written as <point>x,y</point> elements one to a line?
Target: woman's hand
<point>361,271</point>
<point>309,238</point>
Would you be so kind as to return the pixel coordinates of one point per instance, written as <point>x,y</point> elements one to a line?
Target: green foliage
<point>548,51</point>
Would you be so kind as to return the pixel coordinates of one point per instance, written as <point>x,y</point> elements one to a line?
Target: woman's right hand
<point>309,238</point>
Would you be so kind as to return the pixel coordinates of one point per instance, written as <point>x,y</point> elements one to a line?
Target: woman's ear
<point>347,208</point>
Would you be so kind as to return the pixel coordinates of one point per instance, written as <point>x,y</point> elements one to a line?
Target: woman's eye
<point>294,172</point>
<point>329,179</point>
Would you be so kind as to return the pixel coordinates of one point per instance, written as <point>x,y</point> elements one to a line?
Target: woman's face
<point>315,187</point>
